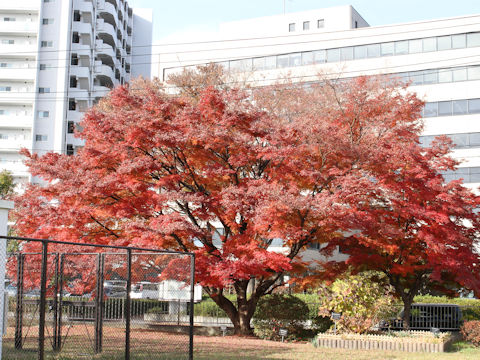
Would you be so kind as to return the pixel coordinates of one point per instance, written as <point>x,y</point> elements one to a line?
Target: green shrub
<point>470,331</point>
<point>163,309</point>
<point>208,308</point>
<point>275,312</point>
<point>363,300</point>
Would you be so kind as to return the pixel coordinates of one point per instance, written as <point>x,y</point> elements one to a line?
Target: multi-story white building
<point>58,58</point>
<point>441,57</point>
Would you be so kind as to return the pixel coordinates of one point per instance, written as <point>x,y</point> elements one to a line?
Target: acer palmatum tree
<point>179,171</point>
<point>414,227</point>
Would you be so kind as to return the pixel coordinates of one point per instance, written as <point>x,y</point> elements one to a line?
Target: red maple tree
<point>418,230</point>
<point>223,174</point>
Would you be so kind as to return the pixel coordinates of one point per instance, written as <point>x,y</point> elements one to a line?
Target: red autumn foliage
<point>224,176</point>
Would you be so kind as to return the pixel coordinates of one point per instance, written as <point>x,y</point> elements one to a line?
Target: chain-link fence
<point>71,301</point>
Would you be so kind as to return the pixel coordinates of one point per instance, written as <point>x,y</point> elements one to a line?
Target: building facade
<point>58,58</point>
<point>440,57</point>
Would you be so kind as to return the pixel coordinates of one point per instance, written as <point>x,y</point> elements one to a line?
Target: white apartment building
<point>441,57</point>
<point>58,58</point>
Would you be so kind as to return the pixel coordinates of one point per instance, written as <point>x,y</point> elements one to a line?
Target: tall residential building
<point>440,57</point>
<point>58,58</point>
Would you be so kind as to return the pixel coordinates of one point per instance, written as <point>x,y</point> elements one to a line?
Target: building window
<point>75,38</point>
<point>8,41</point>
<point>3,112</point>
<point>48,1</point>
<point>47,21</point>
<point>73,81</point>
<point>70,127</point>
<point>76,15</point>
<point>72,105</point>
<point>70,150</point>
<point>3,137</point>
<point>46,44</point>
<point>5,88</point>
<point>43,66</point>
<point>306,25</point>
<point>320,23</point>
<point>43,90</point>
<point>356,24</point>
<point>9,19</point>
<point>43,114</point>
<point>74,59</point>
<point>41,137</point>
<point>291,27</point>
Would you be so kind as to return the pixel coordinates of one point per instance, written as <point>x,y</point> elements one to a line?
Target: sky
<point>171,17</point>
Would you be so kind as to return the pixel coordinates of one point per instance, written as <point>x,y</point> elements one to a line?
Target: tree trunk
<point>241,315</point>
<point>407,311</point>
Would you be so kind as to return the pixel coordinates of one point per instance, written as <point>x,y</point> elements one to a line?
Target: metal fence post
<point>19,307</point>
<point>58,335</point>
<point>127,304</point>
<point>192,299</point>
<point>55,305</point>
<point>99,304</point>
<point>43,303</point>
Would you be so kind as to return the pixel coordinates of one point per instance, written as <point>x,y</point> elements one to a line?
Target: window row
<point>306,25</point>
<point>449,108</point>
<point>393,48</point>
<point>438,76</point>
<point>465,140</point>
<point>468,174</point>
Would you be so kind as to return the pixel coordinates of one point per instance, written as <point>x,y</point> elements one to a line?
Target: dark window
<point>73,81</point>
<point>70,150</point>
<point>74,60</point>
<point>72,105</point>
<point>70,127</point>
<point>75,38</point>
<point>76,15</point>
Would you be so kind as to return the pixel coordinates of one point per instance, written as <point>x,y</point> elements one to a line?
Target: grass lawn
<point>232,348</point>
<point>152,345</point>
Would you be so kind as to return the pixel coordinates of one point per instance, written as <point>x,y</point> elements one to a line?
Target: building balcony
<point>18,73</point>
<point>20,50</point>
<point>16,167</point>
<point>18,27</point>
<point>15,144</point>
<point>81,49</point>
<point>75,115</point>
<point>106,28</point>
<point>80,71</point>
<point>104,70</point>
<point>75,141</point>
<point>16,122</point>
<point>110,9</point>
<point>20,6</point>
<point>82,27</point>
<point>17,97</point>
<point>83,5</point>
<point>100,91</point>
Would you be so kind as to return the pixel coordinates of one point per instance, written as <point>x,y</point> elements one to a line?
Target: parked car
<point>145,290</point>
<point>429,316</point>
<point>115,288</point>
